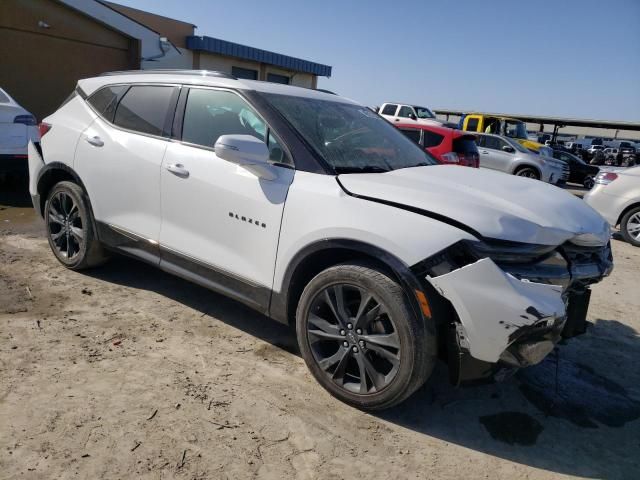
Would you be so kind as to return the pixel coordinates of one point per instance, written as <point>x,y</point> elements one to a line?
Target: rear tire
<point>361,339</point>
<point>69,225</point>
<point>630,226</point>
<point>528,172</point>
<point>589,182</point>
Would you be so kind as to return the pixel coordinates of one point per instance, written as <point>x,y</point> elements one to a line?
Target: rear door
<point>413,134</point>
<point>216,214</point>
<point>120,154</point>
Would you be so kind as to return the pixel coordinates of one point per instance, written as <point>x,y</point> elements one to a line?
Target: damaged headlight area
<point>534,263</point>
<point>567,265</point>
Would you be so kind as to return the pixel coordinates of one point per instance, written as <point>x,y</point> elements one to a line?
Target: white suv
<point>315,211</point>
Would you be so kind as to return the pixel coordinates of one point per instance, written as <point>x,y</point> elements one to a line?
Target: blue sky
<point>574,58</point>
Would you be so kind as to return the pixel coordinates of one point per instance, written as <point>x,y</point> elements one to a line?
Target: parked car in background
<point>509,156</point>
<point>312,209</point>
<point>449,146</point>
<point>616,196</point>
<point>402,112</point>
<point>17,127</point>
<point>610,156</point>
<point>595,148</point>
<point>579,171</point>
<point>505,126</point>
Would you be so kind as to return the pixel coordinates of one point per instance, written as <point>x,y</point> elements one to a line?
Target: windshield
<point>350,138</point>
<point>424,112</point>
<point>515,129</point>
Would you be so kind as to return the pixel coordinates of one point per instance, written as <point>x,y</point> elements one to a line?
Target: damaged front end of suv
<point>509,303</point>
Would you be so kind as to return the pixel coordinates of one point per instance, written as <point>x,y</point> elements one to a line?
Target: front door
<point>491,154</point>
<point>220,222</point>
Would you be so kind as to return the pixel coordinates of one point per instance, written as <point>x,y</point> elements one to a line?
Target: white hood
<point>494,204</point>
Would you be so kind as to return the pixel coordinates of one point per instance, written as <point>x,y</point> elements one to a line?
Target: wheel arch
<point>522,166</point>
<point>323,254</point>
<point>627,209</point>
<point>53,173</point>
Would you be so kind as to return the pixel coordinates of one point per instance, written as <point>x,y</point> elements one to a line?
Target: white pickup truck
<point>401,112</point>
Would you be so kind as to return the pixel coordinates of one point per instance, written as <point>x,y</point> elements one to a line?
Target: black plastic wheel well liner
<point>627,210</point>
<point>319,256</point>
<point>55,172</point>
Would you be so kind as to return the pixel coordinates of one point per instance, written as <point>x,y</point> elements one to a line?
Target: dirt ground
<point>128,372</point>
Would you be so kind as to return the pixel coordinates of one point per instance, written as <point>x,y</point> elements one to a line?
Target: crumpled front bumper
<point>496,309</point>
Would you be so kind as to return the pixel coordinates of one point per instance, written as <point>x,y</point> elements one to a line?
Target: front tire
<point>630,226</point>
<point>69,225</point>
<point>528,172</point>
<point>361,339</point>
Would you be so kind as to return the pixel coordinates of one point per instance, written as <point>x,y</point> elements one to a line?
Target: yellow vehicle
<point>508,127</point>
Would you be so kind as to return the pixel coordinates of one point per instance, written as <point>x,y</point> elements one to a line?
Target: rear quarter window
<point>145,109</point>
<point>105,100</point>
<point>432,139</point>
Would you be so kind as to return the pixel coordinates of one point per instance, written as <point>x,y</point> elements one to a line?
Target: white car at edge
<point>17,128</point>
<point>315,211</point>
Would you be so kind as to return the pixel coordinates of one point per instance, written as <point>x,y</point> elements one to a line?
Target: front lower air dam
<point>496,311</point>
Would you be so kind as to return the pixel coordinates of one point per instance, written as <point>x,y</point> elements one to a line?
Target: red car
<point>447,145</point>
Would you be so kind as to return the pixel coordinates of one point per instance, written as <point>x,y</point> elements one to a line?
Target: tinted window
<point>276,152</point>
<point>244,73</point>
<point>465,145</point>
<point>145,109</point>
<point>389,109</point>
<point>275,78</point>
<point>432,139</point>
<point>411,133</point>
<point>480,140</point>
<point>3,98</point>
<point>212,113</point>
<point>472,125</point>
<point>405,112</point>
<point>494,143</point>
<point>105,100</point>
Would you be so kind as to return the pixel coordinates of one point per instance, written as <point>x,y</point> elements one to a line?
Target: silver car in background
<point>616,196</point>
<point>508,155</point>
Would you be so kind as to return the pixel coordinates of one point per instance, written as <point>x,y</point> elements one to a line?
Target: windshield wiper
<point>367,169</point>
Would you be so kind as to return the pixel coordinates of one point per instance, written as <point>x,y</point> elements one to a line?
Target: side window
<point>502,143</point>
<point>145,109</point>
<point>480,141</point>
<point>210,114</point>
<point>472,124</point>
<point>276,152</point>
<point>432,139</point>
<point>405,111</point>
<point>389,109</point>
<point>412,133</point>
<point>105,100</point>
<point>492,142</point>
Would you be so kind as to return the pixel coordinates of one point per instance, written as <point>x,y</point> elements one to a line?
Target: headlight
<point>503,251</point>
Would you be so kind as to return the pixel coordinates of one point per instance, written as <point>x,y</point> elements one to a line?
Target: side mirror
<point>412,116</point>
<point>246,151</point>
<point>508,149</point>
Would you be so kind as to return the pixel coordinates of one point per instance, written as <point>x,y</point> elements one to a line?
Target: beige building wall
<point>221,63</point>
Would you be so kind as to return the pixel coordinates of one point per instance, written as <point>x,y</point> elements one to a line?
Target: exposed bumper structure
<point>512,314</point>
<point>493,306</point>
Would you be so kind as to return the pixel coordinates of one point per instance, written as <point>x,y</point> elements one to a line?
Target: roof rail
<point>170,71</point>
